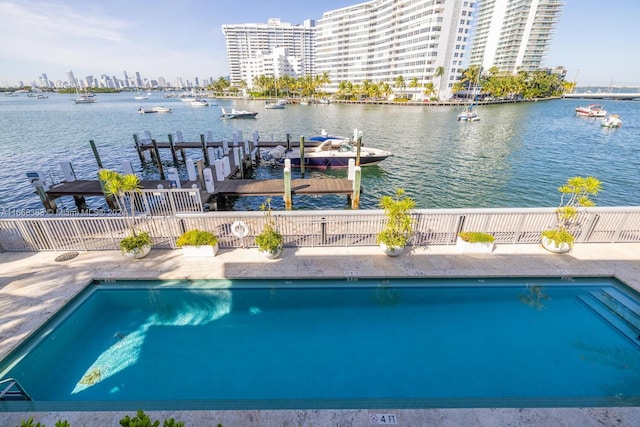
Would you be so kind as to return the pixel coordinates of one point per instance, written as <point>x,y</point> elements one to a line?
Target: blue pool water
<point>337,344</point>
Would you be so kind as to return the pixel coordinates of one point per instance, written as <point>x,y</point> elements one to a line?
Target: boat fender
<point>240,229</point>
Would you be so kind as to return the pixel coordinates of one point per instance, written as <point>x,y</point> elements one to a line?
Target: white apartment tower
<point>248,42</point>
<point>513,35</point>
<point>381,40</point>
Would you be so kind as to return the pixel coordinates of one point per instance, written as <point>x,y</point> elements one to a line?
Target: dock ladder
<point>10,389</point>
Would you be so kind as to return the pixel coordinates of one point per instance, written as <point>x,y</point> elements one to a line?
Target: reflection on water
<point>515,156</point>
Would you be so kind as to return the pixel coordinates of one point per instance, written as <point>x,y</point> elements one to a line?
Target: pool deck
<point>34,285</point>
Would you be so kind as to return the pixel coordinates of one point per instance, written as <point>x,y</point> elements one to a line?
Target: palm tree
<point>400,84</point>
<point>413,83</point>
<point>438,75</point>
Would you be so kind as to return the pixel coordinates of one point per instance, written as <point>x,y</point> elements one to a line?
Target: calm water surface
<point>515,156</point>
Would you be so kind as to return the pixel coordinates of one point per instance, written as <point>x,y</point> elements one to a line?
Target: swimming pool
<point>282,344</point>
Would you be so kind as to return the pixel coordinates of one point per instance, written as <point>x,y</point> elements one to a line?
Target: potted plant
<point>137,245</point>
<point>575,194</point>
<point>124,189</point>
<point>475,242</point>
<point>394,236</point>
<point>270,242</point>
<point>197,243</point>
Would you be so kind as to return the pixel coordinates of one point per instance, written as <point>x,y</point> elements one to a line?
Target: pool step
<point>617,314</point>
<point>622,305</point>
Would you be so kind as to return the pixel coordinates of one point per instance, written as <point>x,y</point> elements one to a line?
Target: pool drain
<point>66,256</point>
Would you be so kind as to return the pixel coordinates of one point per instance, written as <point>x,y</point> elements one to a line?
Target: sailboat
<point>84,98</point>
<point>469,114</point>
<point>278,104</point>
<point>141,95</point>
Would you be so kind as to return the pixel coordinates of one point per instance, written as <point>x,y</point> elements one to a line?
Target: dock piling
<point>302,155</point>
<point>173,151</point>
<point>158,159</point>
<point>138,149</point>
<point>355,199</point>
<point>95,153</point>
<point>204,150</point>
<point>287,185</point>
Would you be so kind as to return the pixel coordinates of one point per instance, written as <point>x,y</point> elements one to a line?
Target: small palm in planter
<point>124,188</point>
<point>575,195</point>
<point>198,243</point>
<point>394,236</point>
<point>270,242</point>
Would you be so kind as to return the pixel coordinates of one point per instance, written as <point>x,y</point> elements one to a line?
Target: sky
<point>183,38</point>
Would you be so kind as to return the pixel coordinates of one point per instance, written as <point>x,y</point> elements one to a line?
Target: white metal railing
<point>314,228</point>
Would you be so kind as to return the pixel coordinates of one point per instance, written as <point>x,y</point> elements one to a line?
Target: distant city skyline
<point>163,39</point>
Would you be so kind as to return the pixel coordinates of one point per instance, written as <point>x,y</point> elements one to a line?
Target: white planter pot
<point>137,254</point>
<point>475,247</point>
<point>392,251</point>
<point>271,255</point>
<point>200,251</point>
<point>552,246</point>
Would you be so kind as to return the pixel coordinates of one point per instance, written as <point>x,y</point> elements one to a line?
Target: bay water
<point>517,155</point>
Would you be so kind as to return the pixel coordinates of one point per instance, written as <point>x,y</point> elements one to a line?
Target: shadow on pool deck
<point>33,286</point>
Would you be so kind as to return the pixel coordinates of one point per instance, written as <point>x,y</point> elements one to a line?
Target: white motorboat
<point>327,155</point>
<point>592,110</point>
<point>199,103</point>
<point>160,109</point>
<point>238,114</point>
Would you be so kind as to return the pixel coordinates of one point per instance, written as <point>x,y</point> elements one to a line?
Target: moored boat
<point>238,114</point>
<point>199,103</point>
<point>469,115</point>
<point>327,155</point>
<point>613,121</point>
<point>142,110</point>
<point>591,110</point>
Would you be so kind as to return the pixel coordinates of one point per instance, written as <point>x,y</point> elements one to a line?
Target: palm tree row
<point>535,84</point>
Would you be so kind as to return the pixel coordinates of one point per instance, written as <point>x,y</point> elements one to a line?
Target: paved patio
<point>33,286</point>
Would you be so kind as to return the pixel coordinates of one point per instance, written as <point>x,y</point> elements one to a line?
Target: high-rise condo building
<point>421,41</point>
<point>247,42</point>
<point>513,35</point>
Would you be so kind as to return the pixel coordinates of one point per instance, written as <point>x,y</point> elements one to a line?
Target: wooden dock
<point>222,189</point>
<point>275,187</point>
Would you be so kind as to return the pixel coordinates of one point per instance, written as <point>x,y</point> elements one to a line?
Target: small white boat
<point>199,103</point>
<point>140,95</point>
<point>613,121</point>
<point>41,96</point>
<point>238,114</point>
<point>592,110</point>
<point>468,116</point>
<point>274,105</point>
<point>142,110</point>
<point>85,98</point>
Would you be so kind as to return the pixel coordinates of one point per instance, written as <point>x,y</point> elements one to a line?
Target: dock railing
<point>314,228</point>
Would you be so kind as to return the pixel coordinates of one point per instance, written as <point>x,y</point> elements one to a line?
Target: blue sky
<point>171,38</point>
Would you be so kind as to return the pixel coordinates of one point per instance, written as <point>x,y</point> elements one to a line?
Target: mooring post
<point>138,148</point>
<point>204,150</point>
<point>159,160</point>
<point>302,155</point>
<point>173,151</point>
<point>287,185</point>
<point>355,200</point>
<point>358,149</point>
<point>288,142</point>
<point>95,153</point>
